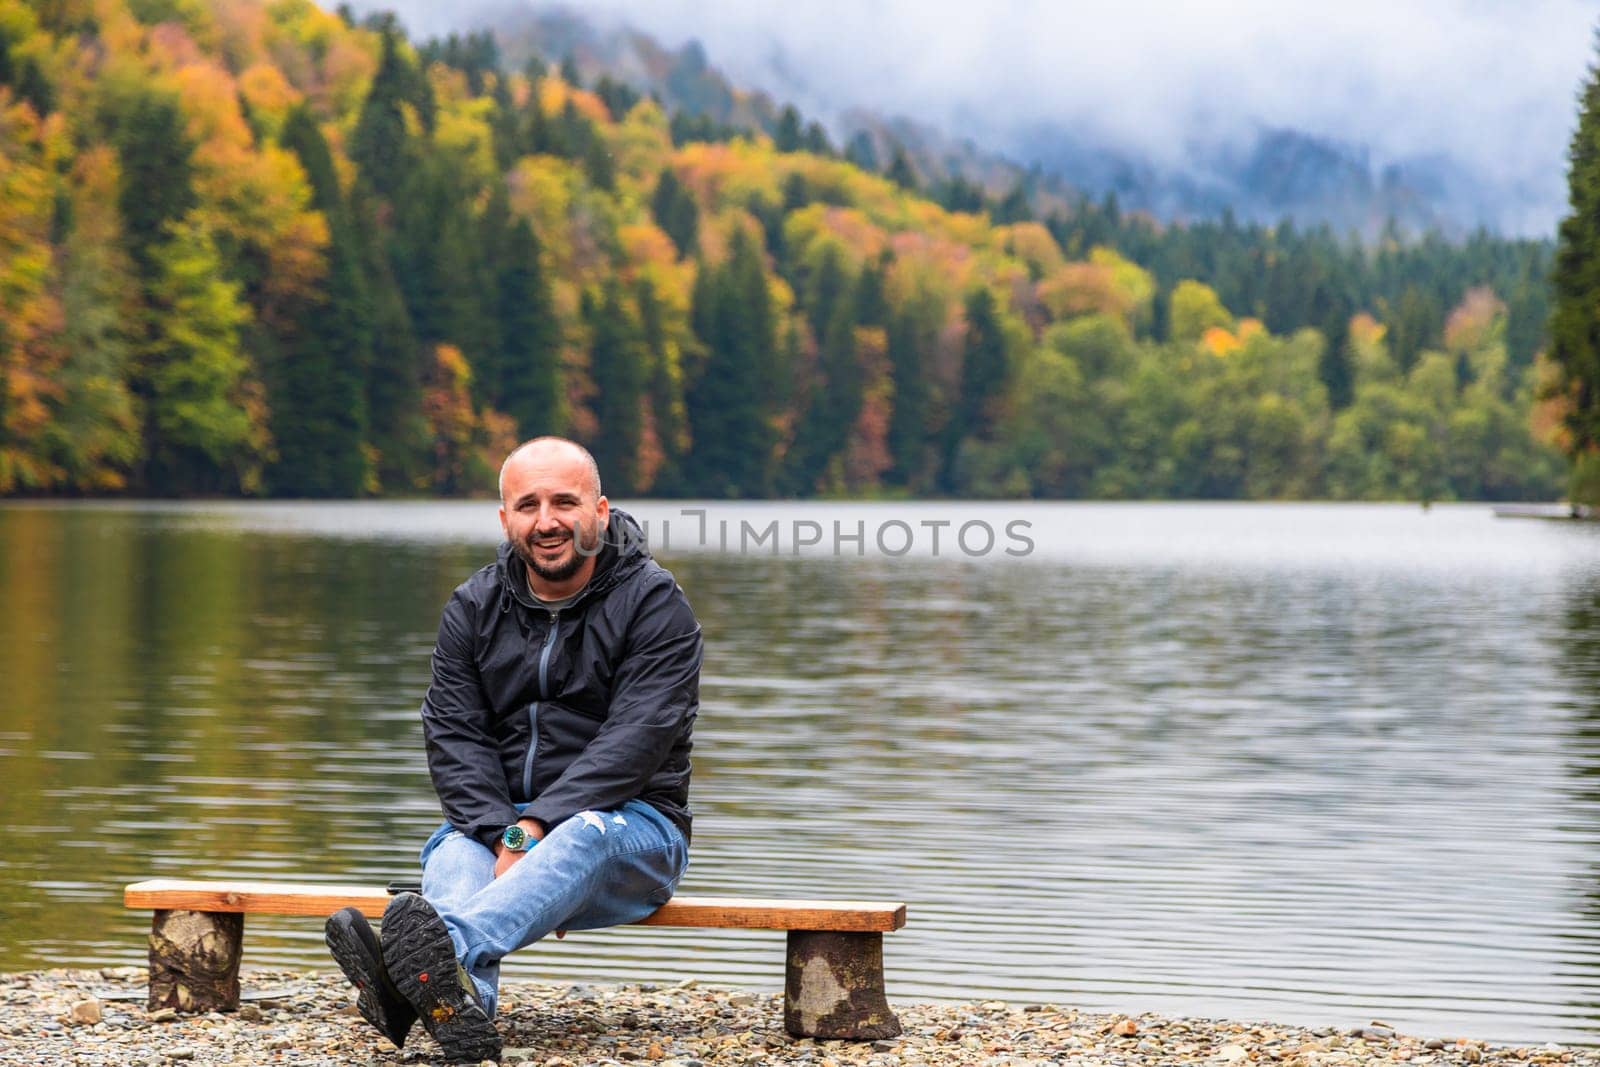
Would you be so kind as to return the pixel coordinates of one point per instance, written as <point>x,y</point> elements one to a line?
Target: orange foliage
<point>1220,341</point>
<point>726,173</point>
<point>867,456</point>
<point>258,197</point>
<point>554,94</point>
<point>447,409</point>
<point>31,318</point>
<point>268,92</point>
<point>172,47</point>
<point>241,27</point>
<point>1083,289</point>
<point>1547,418</point>
<point>1471,323</point>
<point>1364,329</point>
<point>649,253</point>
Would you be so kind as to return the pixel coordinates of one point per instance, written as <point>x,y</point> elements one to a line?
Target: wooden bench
<point>833,985</point>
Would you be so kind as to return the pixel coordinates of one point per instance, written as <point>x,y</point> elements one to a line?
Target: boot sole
<point>421,960</point>
<point>355,949</point>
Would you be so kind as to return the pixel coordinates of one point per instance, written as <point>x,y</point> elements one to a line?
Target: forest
<point>256,247</point>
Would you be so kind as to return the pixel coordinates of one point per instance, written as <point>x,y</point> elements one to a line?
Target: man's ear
<point>503,527</point>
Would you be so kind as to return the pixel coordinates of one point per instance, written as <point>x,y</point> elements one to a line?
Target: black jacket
<point>587,708</point>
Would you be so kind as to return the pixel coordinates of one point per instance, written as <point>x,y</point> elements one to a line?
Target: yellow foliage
<point>1547,418</point>
<point>1135,284</point>
<point>650,254</point>
<point>1033,244</point>
<point>261,199</point>
<point>1364,329</point>
<point>640,143</point>
<point>555,93</point>
<point>30,343</point>
<point>727,174</point>
<point>541,190</point>
<point>1082,289</point>
<point>464,129</point>
<point>1194,308</point>
<point>269,95</point>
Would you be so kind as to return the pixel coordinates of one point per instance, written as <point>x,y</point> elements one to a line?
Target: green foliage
<point>675,212</point>
<point>198,423</point>
<point>901,172</point>
<point>318,381</point>
<point>1575,321</point>
<point>618,365</point>
<point>382,145</point>
<point>1194,309</point>
<point>147,130</point>
<point>730,431</point>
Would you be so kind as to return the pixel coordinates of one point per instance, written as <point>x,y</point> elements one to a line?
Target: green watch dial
<point>515,838</point>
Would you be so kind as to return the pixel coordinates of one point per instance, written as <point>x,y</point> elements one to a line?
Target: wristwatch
<point>517,839</point>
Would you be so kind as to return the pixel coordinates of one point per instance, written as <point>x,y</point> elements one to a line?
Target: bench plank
<point>735,913</point>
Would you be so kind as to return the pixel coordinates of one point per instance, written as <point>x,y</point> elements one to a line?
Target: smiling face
<point>550,503</point>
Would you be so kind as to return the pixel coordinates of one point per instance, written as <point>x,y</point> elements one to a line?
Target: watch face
<point>515,838</point>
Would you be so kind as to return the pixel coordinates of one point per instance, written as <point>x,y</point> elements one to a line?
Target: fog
<point>1489,86</point>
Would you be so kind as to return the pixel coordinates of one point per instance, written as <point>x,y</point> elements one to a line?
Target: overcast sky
<point>1491,83</point>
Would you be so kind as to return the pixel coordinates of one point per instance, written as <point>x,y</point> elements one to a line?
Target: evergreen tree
<point>816,140</point>
<point>729,429</point>
<point>617,363</point>
<point>832,404</point>
<point>983,376</point>
<point>380,145</point>
<point>909,417</point>
<point>434,252</point>
<point>317,394</point>
<point>529,388</point>
<point>861,152</point>
<point>569,71</point>
<point>397,432</point>
<point>148,132</point>
<point>675,211</point>
<point>786,137</point>
<point>901,172</point>
<point>1575,320</point>
<point>663,389</point>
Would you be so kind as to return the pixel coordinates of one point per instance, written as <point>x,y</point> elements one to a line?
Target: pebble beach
<point>78,1018</point>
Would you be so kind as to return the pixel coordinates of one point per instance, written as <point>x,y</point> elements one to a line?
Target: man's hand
<point>504,857</point>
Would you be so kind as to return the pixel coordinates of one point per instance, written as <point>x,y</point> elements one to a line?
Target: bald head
<point>546,451</point>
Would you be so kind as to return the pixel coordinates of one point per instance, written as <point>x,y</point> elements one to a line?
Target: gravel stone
<point>306,1023</point>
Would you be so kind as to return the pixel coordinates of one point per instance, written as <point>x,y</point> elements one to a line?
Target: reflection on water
<point>1319,764</point>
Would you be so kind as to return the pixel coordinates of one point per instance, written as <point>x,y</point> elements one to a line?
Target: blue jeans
<point>598,868</point>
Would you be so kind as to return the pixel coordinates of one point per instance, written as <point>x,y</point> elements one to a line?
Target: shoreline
<point>90,1018</point>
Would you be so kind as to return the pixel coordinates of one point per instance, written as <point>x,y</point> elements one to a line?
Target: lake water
<point>1307,763</point>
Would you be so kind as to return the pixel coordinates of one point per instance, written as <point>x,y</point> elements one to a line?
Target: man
<point>565,685</point>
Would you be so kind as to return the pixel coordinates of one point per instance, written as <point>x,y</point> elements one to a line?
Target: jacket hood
<point>622,552</point>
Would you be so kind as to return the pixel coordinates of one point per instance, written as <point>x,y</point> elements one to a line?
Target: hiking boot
<point>421,959</point>
<point>355,949</point>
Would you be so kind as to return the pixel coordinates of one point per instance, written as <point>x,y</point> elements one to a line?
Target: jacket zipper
<point>533,709</point>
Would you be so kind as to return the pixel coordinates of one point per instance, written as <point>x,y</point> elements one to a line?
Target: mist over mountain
<point>1453,113</point>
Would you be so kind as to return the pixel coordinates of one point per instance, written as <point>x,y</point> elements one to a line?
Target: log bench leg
<point>194,960</point>
<point>834,987</point>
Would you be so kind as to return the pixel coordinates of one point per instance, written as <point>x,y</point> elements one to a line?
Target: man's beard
<point>557,573</point>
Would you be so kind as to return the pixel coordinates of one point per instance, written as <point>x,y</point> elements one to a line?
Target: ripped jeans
<point>598,868</point>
